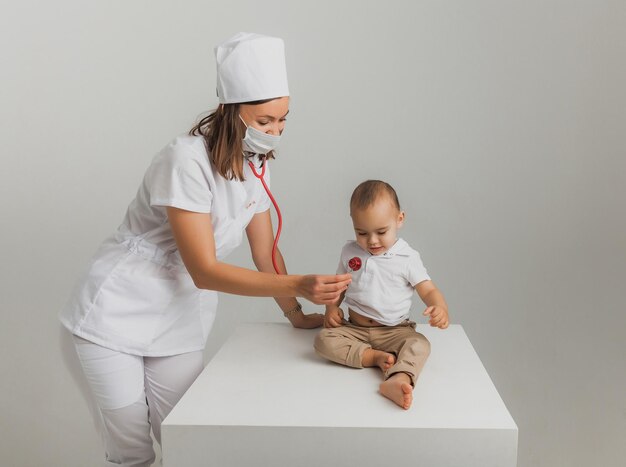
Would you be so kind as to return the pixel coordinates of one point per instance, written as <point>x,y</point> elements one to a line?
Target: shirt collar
<point>400,248</point>
<point>256,159</point>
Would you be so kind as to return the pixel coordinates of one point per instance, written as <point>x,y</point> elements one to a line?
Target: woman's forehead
<point>276,108</point>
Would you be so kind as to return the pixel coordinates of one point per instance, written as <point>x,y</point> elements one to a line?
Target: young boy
<point>385,270</point>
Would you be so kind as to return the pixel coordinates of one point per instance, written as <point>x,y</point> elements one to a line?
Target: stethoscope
<point>269,193</point>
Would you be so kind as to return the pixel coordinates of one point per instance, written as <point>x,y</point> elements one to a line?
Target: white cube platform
<point>267,399</point>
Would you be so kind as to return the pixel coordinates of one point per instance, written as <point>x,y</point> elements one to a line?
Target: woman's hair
<point>223,133</point>
<point>369,191</point>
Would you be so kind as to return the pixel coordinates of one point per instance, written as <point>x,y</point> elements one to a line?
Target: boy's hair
<point>369,191</point>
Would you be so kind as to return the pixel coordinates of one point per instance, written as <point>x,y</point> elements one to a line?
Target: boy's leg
<point>344,345</point>
<point>166,380</point>
<point>116,382</point>
<point>412,350</point>
<point>410,347</point>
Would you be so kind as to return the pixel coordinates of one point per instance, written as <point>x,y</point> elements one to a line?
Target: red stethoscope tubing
<point>280,217</point>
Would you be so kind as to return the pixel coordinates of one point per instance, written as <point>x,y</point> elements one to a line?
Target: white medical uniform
<point>382,285</point>
<point>137,297</point>
<point>139,323</point>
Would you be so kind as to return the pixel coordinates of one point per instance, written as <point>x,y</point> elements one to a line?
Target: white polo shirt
<point>136,295</point>
<point>382,285</point>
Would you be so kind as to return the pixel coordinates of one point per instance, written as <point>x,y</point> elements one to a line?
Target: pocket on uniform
<point>133,298</point>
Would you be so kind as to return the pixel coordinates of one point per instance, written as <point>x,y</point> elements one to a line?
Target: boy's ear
<point>400,219</point>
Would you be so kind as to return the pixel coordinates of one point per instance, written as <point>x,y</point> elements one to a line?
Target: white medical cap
<point>250,67</point>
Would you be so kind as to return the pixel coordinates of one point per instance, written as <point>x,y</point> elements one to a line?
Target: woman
<point>141,314</point>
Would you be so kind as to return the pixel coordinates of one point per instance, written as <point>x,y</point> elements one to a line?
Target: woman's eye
<point>361,234</point>
<point>263,123</point>
<point>382,233</point>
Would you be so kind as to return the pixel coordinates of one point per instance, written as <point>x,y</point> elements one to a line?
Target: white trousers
<point>134,394</point>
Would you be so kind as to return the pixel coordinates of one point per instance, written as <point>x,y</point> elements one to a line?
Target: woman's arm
<point>261,239</point>
<point>193,233</point>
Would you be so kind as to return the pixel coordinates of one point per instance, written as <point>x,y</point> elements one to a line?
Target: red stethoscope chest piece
<point>355,263</point>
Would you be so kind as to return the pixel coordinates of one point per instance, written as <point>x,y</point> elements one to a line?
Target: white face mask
<point>258,142</point>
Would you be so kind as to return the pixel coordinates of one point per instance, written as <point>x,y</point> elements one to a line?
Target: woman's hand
<point>302,321</point>
<point>323,290</point>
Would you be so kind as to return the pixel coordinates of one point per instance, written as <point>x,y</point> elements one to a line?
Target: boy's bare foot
<point>382,360</point>
<point>398,388</point>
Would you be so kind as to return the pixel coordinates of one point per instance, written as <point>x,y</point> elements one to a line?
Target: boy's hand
<point>438,316</point>
<point>333,317</point>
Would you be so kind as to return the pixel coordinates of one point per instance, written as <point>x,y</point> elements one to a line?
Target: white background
<point>499,123</point>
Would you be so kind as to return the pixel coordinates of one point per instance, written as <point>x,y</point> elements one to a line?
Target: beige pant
<point>346,344</point>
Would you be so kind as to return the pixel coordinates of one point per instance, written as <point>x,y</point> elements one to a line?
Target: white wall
<point>499,123</point>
